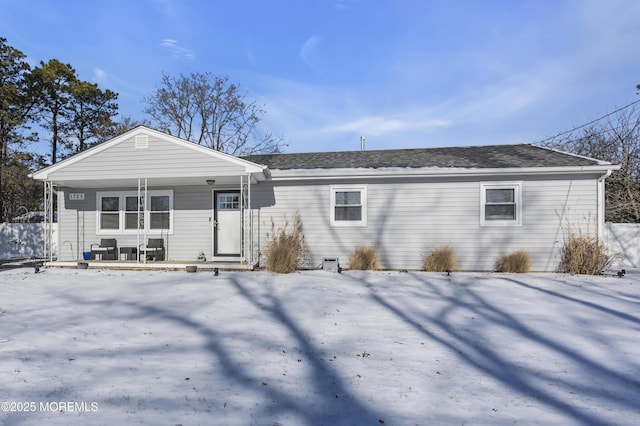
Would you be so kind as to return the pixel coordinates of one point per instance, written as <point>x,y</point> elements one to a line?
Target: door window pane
<point>228,201</point>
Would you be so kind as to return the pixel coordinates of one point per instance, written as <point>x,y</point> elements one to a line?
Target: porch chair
<point>107,249</point>
<point>154,250</point>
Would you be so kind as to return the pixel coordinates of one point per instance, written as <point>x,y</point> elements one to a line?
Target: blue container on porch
<point>86,255</point>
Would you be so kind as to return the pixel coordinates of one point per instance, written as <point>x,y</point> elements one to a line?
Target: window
<point>348,205</point>
<point>501,204</point>
<point>160,212</point>
<point>133,206</point>
<point>228,201</point>
<point>125,212</point>
<point>110,212</point>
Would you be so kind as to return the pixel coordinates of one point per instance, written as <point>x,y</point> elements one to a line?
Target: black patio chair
<point>107,249</point>
<point>154,250</point>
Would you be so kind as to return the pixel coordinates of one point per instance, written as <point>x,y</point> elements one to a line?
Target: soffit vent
<point>142,142</point>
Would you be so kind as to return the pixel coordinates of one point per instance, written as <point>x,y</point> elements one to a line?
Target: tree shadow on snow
<point>454,326</point>
<point>324,399</point>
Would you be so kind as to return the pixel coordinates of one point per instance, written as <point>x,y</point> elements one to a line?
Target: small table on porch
<point>130,252</point>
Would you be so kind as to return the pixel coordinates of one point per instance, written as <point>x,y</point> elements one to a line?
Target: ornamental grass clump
<point>364,258</point>
<point>284,251</point>
<point>518,262</point>
<point>442,259</point>
<point>584,255</point>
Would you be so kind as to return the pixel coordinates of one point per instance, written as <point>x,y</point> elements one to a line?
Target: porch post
<point>138,224</point>
<point>45,242</point>
<point>242,245</point>
<point>146,220</point>
<point>48,220</point>
<point>250,221</point>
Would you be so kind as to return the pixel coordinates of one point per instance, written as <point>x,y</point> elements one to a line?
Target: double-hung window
<point>109,212</point>
<point>501,204</point>
<point>134,212</point>
<point>127,212</point>
<point>348,205</point>
<point>160,212</point>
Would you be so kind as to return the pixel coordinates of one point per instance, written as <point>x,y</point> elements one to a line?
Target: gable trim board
<point>407,202</point>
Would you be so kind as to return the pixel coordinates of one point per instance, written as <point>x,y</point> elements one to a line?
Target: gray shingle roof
<point>494,156</point>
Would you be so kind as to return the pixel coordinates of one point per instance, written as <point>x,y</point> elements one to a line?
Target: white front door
<point>228,224</point>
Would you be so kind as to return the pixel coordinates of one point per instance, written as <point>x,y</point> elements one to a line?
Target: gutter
<point>601,202</point>
<point>385,173</point>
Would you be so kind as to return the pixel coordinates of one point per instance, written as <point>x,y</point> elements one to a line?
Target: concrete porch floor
<point>171,265</point>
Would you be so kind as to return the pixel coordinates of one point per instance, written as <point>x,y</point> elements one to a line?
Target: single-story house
<point>482,201</point>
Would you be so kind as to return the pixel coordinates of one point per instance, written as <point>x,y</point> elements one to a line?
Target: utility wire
<point>586,124</point>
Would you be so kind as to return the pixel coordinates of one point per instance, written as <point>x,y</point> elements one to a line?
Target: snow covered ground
<point>317,348</point>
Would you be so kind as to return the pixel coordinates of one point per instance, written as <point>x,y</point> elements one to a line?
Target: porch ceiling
<point>151,182</point>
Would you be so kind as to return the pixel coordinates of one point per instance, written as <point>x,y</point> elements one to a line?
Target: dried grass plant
<point>284,251</point>
<point>518,262</point>
<point>441,259</point>
<point>364,258</point>
<point>584,255</point>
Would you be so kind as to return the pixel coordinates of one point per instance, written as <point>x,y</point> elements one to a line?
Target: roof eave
<point>309,174</point>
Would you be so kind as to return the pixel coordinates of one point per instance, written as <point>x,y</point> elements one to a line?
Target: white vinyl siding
<point>406,218</point>
<point>409,217</point>
<point>159,160</point>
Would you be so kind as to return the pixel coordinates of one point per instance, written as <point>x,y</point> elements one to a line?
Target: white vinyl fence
<point>24,240</point>
<point>623,239</point>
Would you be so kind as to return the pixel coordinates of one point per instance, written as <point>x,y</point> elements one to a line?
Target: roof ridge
<point>389,149</point>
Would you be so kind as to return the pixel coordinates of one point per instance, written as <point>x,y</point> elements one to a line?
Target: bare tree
<point>616,140</point>
<point>211,111</point>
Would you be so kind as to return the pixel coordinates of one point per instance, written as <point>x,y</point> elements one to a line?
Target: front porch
<point>148,191</point>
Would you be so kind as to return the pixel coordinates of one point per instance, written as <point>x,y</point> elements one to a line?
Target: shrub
<point>584,255</point>
<point>364,258</point>
<point>285,249</point>
<point>518,261</point>
<point>440,260</point>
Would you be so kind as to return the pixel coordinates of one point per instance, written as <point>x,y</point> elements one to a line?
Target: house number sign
<point>74,196</point>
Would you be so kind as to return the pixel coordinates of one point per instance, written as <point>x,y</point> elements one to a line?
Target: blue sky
<point>403,73</point>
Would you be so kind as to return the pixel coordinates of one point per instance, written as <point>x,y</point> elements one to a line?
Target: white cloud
<point>309,51</point>
<point>176,50</point>
<point>380,126</point>
<point>100,75</point>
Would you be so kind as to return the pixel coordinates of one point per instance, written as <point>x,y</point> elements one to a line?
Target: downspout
<point>601,204</point>
<point>49,191</point>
